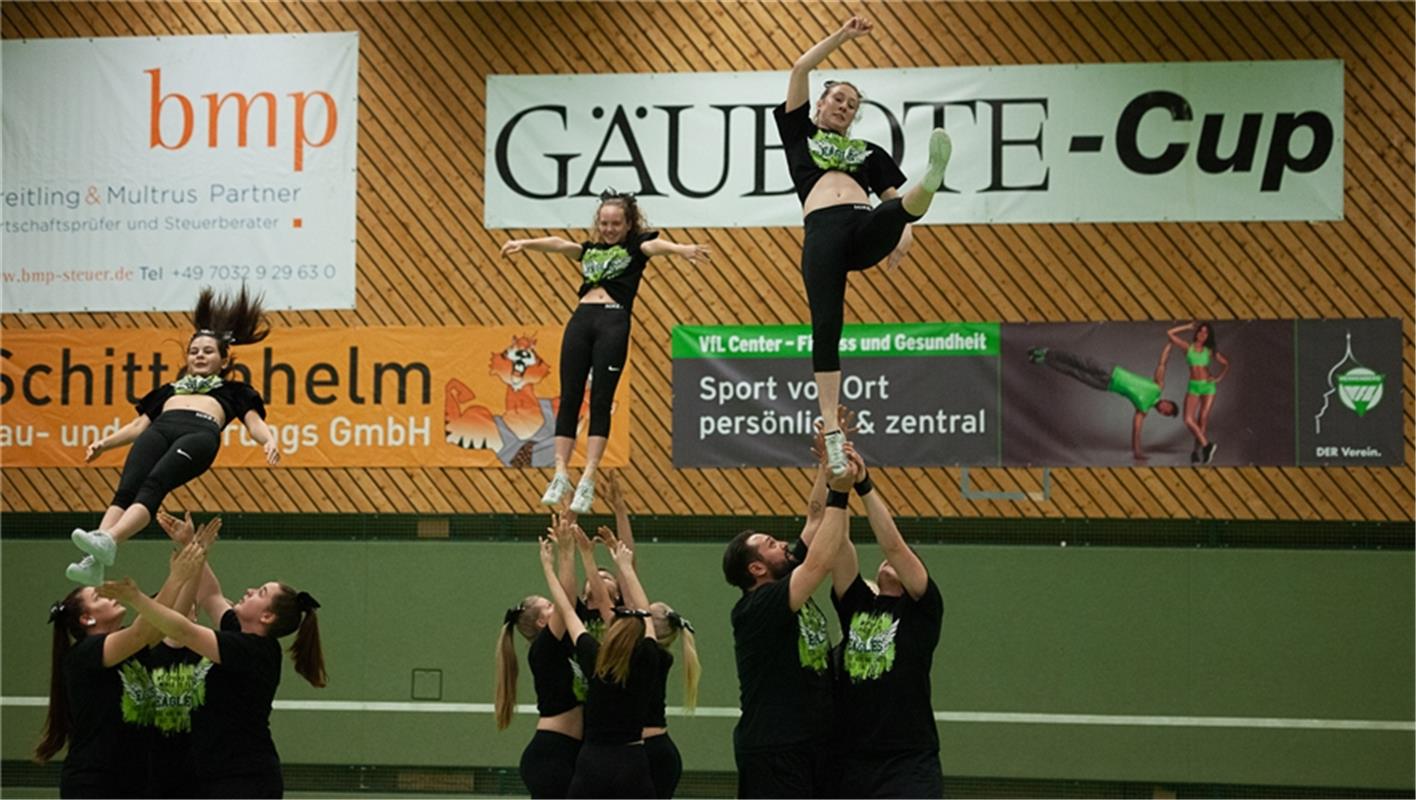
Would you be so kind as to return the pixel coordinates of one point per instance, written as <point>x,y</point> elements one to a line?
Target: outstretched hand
<point>856,27</point>
<point>189,560</point>
<point>548,553</point>
<point>124,591</point>
<point>696,252</point>
<point>180,531</point>
<point>272,452</point>
<point>92,451</point>
<point>613,492</point>
<point>512,246</point>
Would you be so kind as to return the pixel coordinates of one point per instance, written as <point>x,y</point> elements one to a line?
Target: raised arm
<point>1160,368</point>
<point>633,591</point>
<point>169,622</point>
<point>545,244</point>
<point>1174,335</point>
<point>260,431</point>
<point>911,570</point>
<point>660,246</point>
<point>821,556</point>
<point>564,608</point>
<point>208,592</point>
<point>797,92</point>
<point>122,437</point>
<point>598,593</point>
<point>623,531</point>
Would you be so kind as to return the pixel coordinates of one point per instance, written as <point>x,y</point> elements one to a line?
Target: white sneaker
<point>836,453</point>
<point>97,544</point>
<point>584,496</point>
<point>941,147</point>
<point>555,490</point>
<point>86,571</point>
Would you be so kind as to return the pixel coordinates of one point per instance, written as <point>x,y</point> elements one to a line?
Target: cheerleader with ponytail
<point>177,432</point>
<point>548,762</point>
<point>620,674</point>
<point>232,747</point>
<point>88,708</point>
<point>665,763</point>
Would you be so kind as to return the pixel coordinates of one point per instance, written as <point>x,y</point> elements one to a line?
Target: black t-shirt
<point>235,397</point>
<point>783,668</point>
<point>812,152</point>
<point>615,713</point>
<point>658,696</point>
<point>616,267</point>
<point>102,748</point>
<point>559,686</point>
<point>231,731</point>
<point>177,677</point>
<point>884,671</point>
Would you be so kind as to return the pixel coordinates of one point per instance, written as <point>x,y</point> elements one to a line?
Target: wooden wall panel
<point>424,258</point>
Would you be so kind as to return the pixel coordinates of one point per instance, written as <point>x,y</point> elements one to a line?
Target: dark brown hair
<point>64,616</point>
<point>295,612</point>
<point>230,320</point>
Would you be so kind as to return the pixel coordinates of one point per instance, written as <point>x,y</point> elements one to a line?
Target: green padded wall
<point>1282,638</point>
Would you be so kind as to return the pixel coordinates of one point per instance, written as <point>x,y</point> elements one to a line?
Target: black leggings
<point>548,764</point>
<point>263,783</point>
<point>596,338</point>
<point>1080,367</point>
<point>840,240</point>
<point>665,764</point>
<point>612,770</point>
<point>176,448</point>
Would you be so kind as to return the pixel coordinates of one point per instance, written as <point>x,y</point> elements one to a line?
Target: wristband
<point>835,499</point>
<point>865,486</point>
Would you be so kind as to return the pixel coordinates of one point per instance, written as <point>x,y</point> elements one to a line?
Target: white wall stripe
<point>941,716</point>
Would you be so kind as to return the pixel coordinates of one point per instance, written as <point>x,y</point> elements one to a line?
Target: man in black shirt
<point>781,744</point>
<point>886,736</point>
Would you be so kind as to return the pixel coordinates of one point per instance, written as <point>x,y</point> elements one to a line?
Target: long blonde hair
<point>528,625</point>
<point>617,650</point>
<point>668,626</point>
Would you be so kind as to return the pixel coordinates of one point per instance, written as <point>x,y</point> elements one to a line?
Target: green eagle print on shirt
<point>163,697</point>
<point>602,265</point>
<point>834,151</point>
<point>870,646</point>
<point>813,641</point>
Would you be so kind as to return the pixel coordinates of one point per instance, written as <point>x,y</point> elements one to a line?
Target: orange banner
<point>335,397</point>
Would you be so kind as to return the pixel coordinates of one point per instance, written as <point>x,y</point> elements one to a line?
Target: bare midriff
<point>834,189</point>
<point>597,296</point>
<point>196,402</point>
<point>569,723</point>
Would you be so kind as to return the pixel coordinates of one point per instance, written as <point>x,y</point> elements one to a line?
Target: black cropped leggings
<point>840,240</point>
<point>596,340</point>
<point>176,448</point>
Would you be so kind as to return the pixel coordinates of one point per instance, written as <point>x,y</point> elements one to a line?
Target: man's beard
<point>782,569</point>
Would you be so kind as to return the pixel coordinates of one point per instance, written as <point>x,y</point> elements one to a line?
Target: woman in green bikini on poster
<point>1199,395</point>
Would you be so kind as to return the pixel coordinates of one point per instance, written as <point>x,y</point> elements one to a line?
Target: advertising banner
<point>1112,394</point>
<point>335,397</point>
<point>138,170</point>
<point>1215,141</point>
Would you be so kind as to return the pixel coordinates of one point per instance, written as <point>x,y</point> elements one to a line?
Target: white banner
<point>138,170</point>
<point>1067,143</point>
